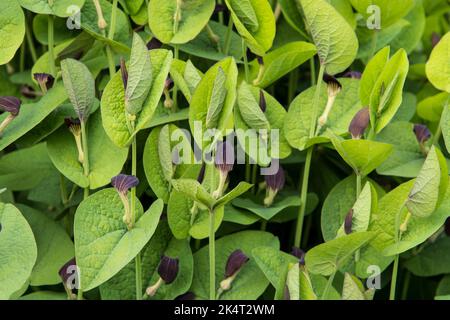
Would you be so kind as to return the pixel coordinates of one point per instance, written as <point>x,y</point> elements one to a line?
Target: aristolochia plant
<point>224,150</point>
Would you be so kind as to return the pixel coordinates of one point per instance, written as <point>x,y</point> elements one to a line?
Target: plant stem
<point>373,48</point>
<point>51,54</point>
<point>111,32</point>
<point>138,268</point>
<point>84,139</point>
<point>62,185</point>
<point>228,37</point>
<point>328,286</point>
<point>312,128</point>
<point>220,13</point>
<point>212,257</point>
<point>244,50</point>
<point>312,66</point>
<point>394,278</point>
<point>23,49</point>
<point>175,87</point>
<point>111,63</point>
<point>263,225</point>
<point>438,133</point>
<point>293,78</point>
<point>358,185</point>
<point>254,174</point>
<point>303,198</point>
<point>30,42</point>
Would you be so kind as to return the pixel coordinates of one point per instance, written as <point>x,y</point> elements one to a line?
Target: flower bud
<point>352,74</point>
<point>220,8</point>
<point>11,105</point>
<point>333,85</point>
<point>235,262</point>
<point>348,222</point>
<point>74,126</point>
<point>422,133</point>
<point>44,80</point>
<point>28,92</point>
<point>70,277</point>
<point>359,123</point>
<point>122,183</point>
<point>300,254</point>
<point>274,183</point>
<point>224,159</point>
<point>168,269</point>
<point>186,296</point>
<point>201,174</point>
<point>168,85</point>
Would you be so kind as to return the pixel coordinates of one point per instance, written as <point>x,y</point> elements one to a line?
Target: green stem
<point>220,13</point>
<point>112,25</point>
<point>373,48</point>
<point>263,225</point>
<point>312,66</point>
<point>30,43</point>
<point>212,258</point>
<point>228,37</point>
<point>303,198</point>
<point>293,78</point>
<point>394,278</point>
<point>371,135</point>
<point>244,50</point>
<point>254,176</point>
<point>248,170</point>
<point>138,268</point>
<point>312,128</point>
<point>111,63</point>
<point>23,49</point>
<point>62,185</point>
<point>175,87</point>
<point>328,286</point>
<point>84,139</point>
<point>51,43</point>
<point>438,133</point>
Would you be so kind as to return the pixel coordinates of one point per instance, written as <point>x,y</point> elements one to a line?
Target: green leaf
<point>260,146</point>
<point>250,282</point>
<point>61,32</point>
<point>281,61</point>
<point>45,295</point>
<point>386,96</point>
<point>105,158</point>
<point>335,39</point>
<point>255,22</point>
<point>371,74</point>
<point>80,86</point>
<point>139,77</point>
<point>217,99</point>
<point>31,114</point>
<point>113,101</point>
<point>89,23</point>
<point>173,21</point>
<point>200,102</point>
<point>353,288</point>
<point>103,245</point>
<point>239,216</point>
<point>60,8</point>
<point>430,185</point>
<point>186,76</point>
<point>407,158</point>
<point>293,282</point>
<point>250,109</point>
<point>432,261</point>
<point>194,191</point>
<point>363,207</point>
<point>54,247</point>
<point>240,189</point>
<point>438,66</point>
<point>17,249</point>
<point>158,153</point>
<point>298,119</point>
<point>431,108</point>
<point>363,156</point>
<point>275,265</point>
<point>391,11</point>
<point>327,258</point>
<point>12,29</point>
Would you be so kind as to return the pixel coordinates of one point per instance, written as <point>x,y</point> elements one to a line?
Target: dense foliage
<point>238,149</point>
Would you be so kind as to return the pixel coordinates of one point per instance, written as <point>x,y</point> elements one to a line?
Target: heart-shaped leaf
<point>12,29</point>
<point>438,67</point>
<point>60,8</point>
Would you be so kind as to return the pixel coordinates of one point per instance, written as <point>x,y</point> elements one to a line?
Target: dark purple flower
<point>168,85</point>
<point>224,156</point>
<point>276,181</point>
<point>168,269</point>
<point>186,296</point>
<point>262,101</point>
<point>422,133</point>
<point>260,60</point>
<point>44,80</point>
<point>235,262</point>
<point>28,92</point>
<point>201,174</point>
<point>359,123</point>
<point>10,104</point>
<point>300,254</point>
<point>154,44</point>
<point>67,270</point>
<point>348,222</point>
<point>352,74</point>
<point>124,72</point>
<point>74,125</point>
<point>123,182</point>
<point>334,86</point>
